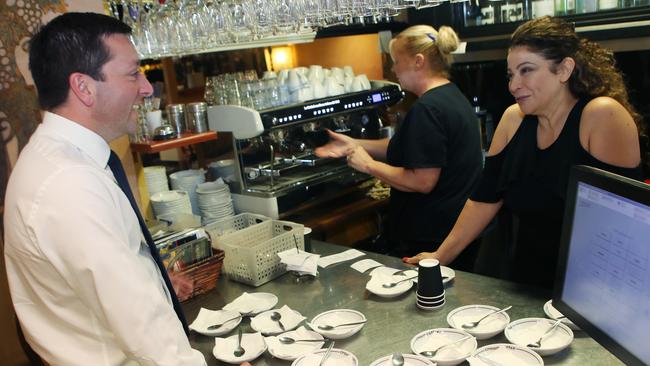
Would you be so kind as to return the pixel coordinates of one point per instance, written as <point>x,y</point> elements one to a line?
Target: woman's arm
<point>341,145</point>
<point>472,220</point>
<point>609,134</point>
<point>422,180</point>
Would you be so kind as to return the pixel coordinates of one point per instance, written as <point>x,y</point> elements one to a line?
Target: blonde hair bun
<point>447,40</point>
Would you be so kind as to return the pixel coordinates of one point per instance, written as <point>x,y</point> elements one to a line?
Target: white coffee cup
<point>294,81</point>
<point>347,70</point>
<point>316,73</point>
<point>333,87</point>
<point>347,83</point>
<point>154,120</point>
<point>337,73</point>
<point>319,89</point>
<point>365,83</point>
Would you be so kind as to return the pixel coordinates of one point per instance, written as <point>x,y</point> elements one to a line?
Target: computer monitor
<point>603,278</point>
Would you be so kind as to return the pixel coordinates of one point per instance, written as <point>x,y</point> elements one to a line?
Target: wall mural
<point>19,111</point>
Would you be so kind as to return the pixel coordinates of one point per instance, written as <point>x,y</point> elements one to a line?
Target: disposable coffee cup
<point>307,237</point>
<point>429,308</point>
<point>430,278</point>
<point>431,303</point>
<point>431,298</point>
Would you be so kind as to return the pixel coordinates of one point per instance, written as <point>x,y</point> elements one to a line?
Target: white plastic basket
<point>251,252</point>
<point>223,227</point>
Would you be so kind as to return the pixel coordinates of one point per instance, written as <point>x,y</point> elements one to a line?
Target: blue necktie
<point>118,171</point>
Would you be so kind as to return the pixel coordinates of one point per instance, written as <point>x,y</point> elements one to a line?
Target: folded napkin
<point>289,318</point>
<point>251,303</point>
<point>501,356</point>
<point>339,257</point>
<point>365,264</point>
<point>300,261</point>
<point>253,344</point>
<point>208,317</point>
<point>294,350</point>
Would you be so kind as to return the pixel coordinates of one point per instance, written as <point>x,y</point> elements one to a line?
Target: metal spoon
<point>239,351</point>
<point>275,316</point>
<point>470,325</point>
<point>218,325</point>
<point>393,284</point>
<point>289,340</point>
<point>433,352</point>
<point>330,327</point>
<point>550,330</point>
<point>327,354</point>
<point>397,359</point>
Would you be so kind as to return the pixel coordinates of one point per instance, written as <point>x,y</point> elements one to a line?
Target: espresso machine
<point>275,165</point>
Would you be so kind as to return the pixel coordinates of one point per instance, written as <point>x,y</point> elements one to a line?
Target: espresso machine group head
<point>275,166</point>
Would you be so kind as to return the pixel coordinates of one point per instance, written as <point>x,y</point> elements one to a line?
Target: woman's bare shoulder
<point>508,126</point>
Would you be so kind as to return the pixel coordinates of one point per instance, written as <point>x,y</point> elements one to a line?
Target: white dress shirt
<point>84,285</point>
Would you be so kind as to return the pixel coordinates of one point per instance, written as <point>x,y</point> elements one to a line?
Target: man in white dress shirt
<point>83,282</point>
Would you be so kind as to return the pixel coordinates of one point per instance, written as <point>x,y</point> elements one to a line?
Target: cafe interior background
<point>480,73</point>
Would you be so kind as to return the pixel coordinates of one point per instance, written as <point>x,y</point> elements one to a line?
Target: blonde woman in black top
<point>572,108</point>
<point>433,161</point>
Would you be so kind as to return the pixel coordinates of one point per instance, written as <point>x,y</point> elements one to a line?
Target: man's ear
<point>566,68</point>
<point>82,87</point>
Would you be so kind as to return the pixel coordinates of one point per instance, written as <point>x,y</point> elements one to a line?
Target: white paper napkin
<point>253,344</point>
<point>289,318</point>
<point>339,257</point>
<point>251,303</point>
<point>300,261</point>
<point>365,264</point>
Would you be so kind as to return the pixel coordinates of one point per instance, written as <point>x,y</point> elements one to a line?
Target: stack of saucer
<point>170,202</point>
<point>188,180</point>
<point>214,201</point>
<point>156,179</point>
<point>431,291</point>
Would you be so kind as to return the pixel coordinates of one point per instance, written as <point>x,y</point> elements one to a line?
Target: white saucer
<point>253,343</point>
<point>453,355</point>
<point>487,328</point>
<point>505,354</point>
<point>292,351</point>
<point>409,360</point>
<point>553,313</point>
<point>525,331</point>
<point>337,357</point>
<point>338,316</point>
<point>207,318</point>
<point>252,303</point>
<point>375,285</point>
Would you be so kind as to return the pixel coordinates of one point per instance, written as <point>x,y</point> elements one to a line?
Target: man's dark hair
<point>72,42</point>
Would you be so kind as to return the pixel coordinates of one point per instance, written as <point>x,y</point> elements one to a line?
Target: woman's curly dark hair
<point>595,72</point>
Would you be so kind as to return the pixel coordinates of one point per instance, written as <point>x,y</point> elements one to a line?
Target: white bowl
<point>505,354</point>
<point>487,328</point>
<point>528,330</point>
<point>338,316</point>
<point>449,356</point>
<point>409,360</point>
<point>337,357</point>
<point>376,282</point>
<point>553,313</point>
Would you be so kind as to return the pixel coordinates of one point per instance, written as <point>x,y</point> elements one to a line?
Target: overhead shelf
<point>184,140</point>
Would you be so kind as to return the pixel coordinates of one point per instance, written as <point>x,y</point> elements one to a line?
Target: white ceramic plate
<point>207,318</point>
<point>553,313</point>
<point>252,303</point>
<point>292,351</point>
<point>253,344</point>
<point>338,316</point>
<point>449,356</point>
<point>264,324</point>
<point>505,354</point>
<point>487,328</point>
<point>409,360</point>
<point>337,357</point>
<point>375,285</point>
<point>525,331</point>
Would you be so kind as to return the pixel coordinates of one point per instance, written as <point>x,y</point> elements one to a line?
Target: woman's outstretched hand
<point>416,259</point>
<point>340,145</point>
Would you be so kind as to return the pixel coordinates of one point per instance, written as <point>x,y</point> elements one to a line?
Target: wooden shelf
<point>184,140</point>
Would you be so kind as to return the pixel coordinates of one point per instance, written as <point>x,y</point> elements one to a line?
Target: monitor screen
<point>603,280</point>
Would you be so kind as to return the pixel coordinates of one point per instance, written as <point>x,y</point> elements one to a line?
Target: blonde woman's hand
<point>340,145</point>
<point>416,259</point>
<point>359,159</point>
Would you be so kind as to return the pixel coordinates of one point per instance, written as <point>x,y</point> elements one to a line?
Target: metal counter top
<point>392,323</point>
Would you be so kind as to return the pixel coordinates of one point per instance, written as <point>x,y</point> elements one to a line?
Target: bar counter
<point>392,323</point>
